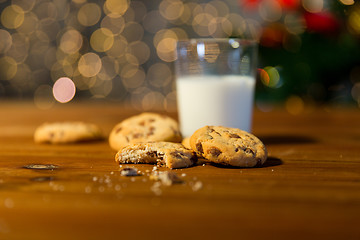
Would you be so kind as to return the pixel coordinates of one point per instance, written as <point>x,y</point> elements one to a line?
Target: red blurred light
<point>250,5</point>
<point>289,4</point>
<point>272,36</point>
<point>253,5</point>
<point>323,22</point>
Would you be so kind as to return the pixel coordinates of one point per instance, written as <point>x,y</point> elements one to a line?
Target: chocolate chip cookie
<point>145,127</point>
<point>67,132</point>
<point>171,155</point>
<point>228,146</point>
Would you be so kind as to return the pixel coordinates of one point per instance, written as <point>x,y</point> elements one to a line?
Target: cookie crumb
<point>129,172</point>
<point>166,178</point>
<point>117,187</point>
<point>101,189</point>
<point>88,189</point>
<point>197,186</point>
<point>155,188</point>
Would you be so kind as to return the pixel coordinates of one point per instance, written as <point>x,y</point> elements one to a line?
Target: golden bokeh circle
<point>140,50</point>
<point>171,10</point>
<point>8,68</point>
<point>166,49</point>
<point>116,6</point>
<point>5,41</point>
<point>89,64</point>
<point>30,24</point>
<point>12,17</point>
<point>101,40</point>
<point>159,75</point>
<point>89,14</point>
<point>26,5</point>
<point>118,48</point>
<point>71,41</point>
<point>114,22</point>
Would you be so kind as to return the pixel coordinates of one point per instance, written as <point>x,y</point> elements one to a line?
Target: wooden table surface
<point>308,189</point>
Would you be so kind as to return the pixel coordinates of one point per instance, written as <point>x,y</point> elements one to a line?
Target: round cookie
<point>145,127</point>
<point>228,146</point>
<point>67,132</point>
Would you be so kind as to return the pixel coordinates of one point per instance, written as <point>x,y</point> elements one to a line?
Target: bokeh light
<point>12,16</point>
<point>64,90</point>
<point>43,97</point>
<point>8,68</point>
<point>101,40</point>
<point>294,105</point>
<point>353,22</point>
<point>347,2</point>
<point>313,6</point>
<point>89,64</point>
<point>71,41</point>
<point>26,5</point>
<point>270,11</point>
<point>114,22</point>
<point>171,9</point>
<point>89,14</point>
<point>116,6</point>
<point>166,48</point>
<point>5,41</point>
<point>270,77</point>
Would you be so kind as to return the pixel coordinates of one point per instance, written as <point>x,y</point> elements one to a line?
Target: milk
<point>214,100</point>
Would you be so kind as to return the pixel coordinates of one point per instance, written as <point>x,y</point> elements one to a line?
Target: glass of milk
<point>215,81</point>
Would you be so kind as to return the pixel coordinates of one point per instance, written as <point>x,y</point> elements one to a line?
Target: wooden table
<point>308,189</point>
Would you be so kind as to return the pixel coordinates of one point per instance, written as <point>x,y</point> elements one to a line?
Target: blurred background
<point>123,51</point>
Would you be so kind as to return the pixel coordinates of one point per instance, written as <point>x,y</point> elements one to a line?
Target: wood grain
<point>308,189</point>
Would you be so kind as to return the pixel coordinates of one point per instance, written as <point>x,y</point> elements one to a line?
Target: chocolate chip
<point>137,135</point>
<point>152,130</point>
<point>152,154</point>
<point>177,155</point>
<point>199,148</point>
<point>118,129</point>
<point>249,151</point>
<point>211,130</point>
<point>142,123</point>
<point>214,151</point>
<point>233,135</point>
